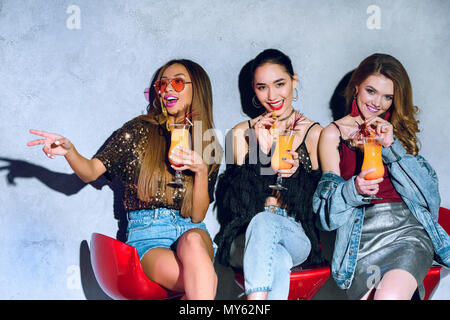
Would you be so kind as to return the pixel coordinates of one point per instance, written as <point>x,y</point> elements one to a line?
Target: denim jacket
<point>341,208</point>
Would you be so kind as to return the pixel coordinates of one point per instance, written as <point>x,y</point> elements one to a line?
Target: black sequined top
<point>122,156</point>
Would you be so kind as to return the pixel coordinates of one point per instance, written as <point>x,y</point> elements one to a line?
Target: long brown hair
<point>402,110</point>
<point>155,169</point>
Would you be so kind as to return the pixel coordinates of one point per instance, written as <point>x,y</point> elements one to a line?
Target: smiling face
<point>375,95</point>
<point>176,102</point>
<point>273,87</point>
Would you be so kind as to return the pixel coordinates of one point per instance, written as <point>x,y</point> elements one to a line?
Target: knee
<point>190,245</point>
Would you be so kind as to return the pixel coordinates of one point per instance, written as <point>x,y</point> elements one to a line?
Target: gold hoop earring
<point>256,103</point>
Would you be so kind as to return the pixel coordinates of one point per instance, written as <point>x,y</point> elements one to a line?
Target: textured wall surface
<point>79,68</point>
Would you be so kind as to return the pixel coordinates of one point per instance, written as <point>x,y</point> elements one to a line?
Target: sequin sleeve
<point>120,154</point>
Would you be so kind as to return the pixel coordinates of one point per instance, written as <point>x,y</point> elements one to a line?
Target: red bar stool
<point>305,282</point>
<point>434,274</point>
<point>119,272</point>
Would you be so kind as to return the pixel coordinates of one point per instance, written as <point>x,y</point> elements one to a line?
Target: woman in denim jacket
<point>384,247</point>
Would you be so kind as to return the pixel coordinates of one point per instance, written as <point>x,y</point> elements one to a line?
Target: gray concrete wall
<point>79,68</point>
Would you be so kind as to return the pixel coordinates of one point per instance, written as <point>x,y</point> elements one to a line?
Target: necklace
<point>290,114</point>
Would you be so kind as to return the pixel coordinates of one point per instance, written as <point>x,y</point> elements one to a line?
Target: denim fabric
<point>341,208</point>
<point>161,227</point>
<point>274,243</point>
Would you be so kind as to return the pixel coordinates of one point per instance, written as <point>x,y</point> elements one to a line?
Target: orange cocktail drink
<point>283,144</point>
<point>179,137</point>
<point>284,139</point>
<point>372,159</point>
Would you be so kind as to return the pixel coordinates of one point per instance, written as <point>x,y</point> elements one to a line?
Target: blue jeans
<point>161,227</point>
<point>274,243</point>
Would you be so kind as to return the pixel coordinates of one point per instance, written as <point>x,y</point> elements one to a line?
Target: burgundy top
<point>351,160</point>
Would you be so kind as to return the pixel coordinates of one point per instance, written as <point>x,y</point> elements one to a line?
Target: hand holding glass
<point>179,138</point>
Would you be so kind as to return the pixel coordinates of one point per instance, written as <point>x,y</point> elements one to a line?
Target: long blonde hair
<point>155,169</point>
<point>403,110</point>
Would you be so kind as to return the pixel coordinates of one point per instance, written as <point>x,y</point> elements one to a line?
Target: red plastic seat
<point>305,283</point>
<point>434,274</point>
<point>119,272</point>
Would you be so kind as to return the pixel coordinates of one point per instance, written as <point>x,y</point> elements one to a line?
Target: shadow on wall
<point>70,184</point>
<point>91,288</point>
<point>338,105</point>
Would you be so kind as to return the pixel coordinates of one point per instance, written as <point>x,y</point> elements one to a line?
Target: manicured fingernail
<point>57,142</point>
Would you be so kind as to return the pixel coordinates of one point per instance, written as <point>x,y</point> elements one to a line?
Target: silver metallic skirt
<point>391,238</point>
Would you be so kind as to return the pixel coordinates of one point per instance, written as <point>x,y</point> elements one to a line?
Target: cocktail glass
<point>179,137</point>
<point>283,139</point>
<point>372,159</point>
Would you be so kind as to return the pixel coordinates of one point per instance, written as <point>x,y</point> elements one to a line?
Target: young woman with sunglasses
<point>385,246</point>
<point>165,223</point>
<point>278,225</point>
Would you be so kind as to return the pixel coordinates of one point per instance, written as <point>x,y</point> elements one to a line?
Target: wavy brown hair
<point>403,110</point>
<point>155,169</point>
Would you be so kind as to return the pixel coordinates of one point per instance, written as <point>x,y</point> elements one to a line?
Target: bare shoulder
<point>312,127</point>
<point>315,130</point>
<point>330,133</point>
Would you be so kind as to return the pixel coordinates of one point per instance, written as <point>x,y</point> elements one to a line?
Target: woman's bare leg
<point>396,284</point>
<point>162,266</point>
<point>195,252</point>
<point>189,270</point>
<point>258,295</point>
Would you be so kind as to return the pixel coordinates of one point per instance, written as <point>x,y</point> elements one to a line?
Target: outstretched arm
<point>55,144</point>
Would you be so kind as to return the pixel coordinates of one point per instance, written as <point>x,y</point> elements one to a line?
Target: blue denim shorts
<point>161,227</point>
